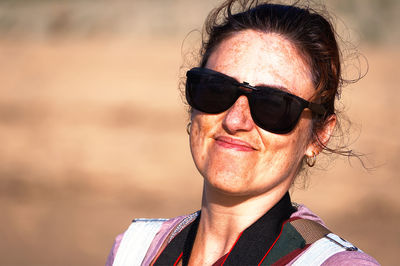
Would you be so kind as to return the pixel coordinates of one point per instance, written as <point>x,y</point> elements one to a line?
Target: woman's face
<point>233,154</point>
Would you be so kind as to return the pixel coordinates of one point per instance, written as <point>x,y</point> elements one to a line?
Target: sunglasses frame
<point>244,88</point>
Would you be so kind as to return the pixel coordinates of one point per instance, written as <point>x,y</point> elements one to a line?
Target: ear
<point>323,135</point>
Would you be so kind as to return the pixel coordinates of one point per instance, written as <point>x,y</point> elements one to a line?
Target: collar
<point>250,247</point>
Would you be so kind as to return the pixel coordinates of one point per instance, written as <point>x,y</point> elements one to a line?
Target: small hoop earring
<point>188,126</point>
<point>310,161</point>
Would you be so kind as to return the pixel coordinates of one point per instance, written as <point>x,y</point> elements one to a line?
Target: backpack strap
<point>323,243</point>
<point>323,249</point>
<point>142,231</point>
<point>310,230</point>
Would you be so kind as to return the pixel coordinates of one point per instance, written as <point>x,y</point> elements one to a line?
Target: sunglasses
<point>272,109</point>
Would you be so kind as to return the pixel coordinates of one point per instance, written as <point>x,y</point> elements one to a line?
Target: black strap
<point>310,230</point>
<point>256,240</point>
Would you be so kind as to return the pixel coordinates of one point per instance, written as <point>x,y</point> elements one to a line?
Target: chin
<point>234,185</point>
<point>227,183</point>
<point>230,185</point>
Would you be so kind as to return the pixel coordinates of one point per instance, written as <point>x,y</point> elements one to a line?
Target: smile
<point>235,144</point>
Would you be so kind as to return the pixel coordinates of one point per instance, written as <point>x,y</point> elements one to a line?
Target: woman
<point>262,105</point>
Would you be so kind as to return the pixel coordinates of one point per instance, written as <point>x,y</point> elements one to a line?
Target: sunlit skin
<point>246,169</point>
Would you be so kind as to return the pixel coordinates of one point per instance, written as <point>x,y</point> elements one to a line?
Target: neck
<point>223,218</point>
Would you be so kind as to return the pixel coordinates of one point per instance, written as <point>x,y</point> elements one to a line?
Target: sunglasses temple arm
<point>317,108</point>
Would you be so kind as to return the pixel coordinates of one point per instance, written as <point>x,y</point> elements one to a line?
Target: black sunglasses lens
<point>209,93</point>
<point>275,111</point>
<point>271,109</point>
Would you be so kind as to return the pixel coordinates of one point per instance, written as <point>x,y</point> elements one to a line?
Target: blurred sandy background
<point>92,128</point>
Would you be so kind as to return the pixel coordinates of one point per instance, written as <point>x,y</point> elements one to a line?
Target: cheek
<point>301,138</point>
<point>196,142</point>
<point>287,151</point>
<point>201,130</point>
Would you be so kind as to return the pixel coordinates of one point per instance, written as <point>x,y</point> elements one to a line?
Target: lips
<point>235,144</point>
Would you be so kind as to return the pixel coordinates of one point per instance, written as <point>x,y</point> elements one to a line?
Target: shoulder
<point>350,258</point>
<point>159,229</point>
<point>303,212</point>
<point>114,249</point>
<point>331,249</point>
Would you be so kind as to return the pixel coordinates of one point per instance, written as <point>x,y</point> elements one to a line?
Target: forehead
<point>263,59</point>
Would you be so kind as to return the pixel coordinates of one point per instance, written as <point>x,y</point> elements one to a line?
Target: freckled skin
<point>260,59</point>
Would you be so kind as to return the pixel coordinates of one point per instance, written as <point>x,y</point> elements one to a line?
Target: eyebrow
<point>278,87</point>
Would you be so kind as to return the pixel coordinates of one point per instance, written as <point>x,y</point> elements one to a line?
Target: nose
<point>238,117</point>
